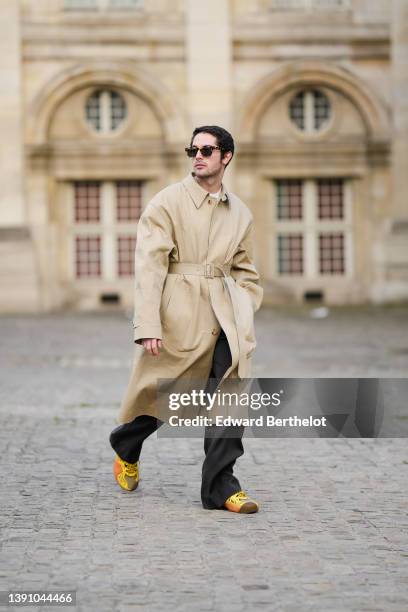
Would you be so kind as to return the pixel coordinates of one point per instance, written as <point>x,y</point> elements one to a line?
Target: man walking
<point>196,292</point>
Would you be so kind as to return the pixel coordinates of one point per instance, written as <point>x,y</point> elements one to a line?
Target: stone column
<point>11,120</point>
<point>395,266</point>
<point>209,65</point>
<point>18,273</point>
<point>399,54</point>
<point>208,47</point>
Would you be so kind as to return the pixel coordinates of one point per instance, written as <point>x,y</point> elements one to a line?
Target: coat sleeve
<point>243,269</point>
<point>154,242</point>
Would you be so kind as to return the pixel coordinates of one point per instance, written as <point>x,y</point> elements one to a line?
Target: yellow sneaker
<point>126,474</point>
<point>240,502</point>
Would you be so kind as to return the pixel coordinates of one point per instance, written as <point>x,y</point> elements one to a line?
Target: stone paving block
<point>332,533</point>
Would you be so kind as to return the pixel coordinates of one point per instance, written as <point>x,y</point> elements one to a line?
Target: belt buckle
<point>209,270</point>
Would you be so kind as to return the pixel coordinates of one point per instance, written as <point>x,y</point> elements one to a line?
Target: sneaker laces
<point>241,495</point>
<point>131,469</point>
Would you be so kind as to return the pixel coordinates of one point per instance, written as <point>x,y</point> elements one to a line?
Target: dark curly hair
<point>224,139</point>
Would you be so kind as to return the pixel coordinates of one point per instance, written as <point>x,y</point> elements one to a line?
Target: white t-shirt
<point>216,195</point>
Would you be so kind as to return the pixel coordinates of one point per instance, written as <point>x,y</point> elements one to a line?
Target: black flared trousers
<point>222,445</point>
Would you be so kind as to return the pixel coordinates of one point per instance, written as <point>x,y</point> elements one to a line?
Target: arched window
<point>310,110</point>
<point>105,110</point>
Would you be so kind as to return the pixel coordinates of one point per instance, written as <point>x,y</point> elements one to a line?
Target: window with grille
<point>331,253</point>
<point>290,254</point>
<point>330,198</point>
<point>104,222</point>
<point>289,199</point>
<point>129,200</point>
<point>313,227</point>
<point>310,110</point>
<point>105,110</point>
<point>87,201</point>
<point>88,256</point>
<point>126,255</point>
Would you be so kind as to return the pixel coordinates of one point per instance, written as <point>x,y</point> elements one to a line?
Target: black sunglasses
<point>206,150</point>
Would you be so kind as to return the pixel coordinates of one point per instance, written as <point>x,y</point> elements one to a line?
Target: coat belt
<point>209,270</point>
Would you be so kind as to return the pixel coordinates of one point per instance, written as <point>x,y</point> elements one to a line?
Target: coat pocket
<point>168,292</point>
<point>186,320</point>
<point>246,327</point>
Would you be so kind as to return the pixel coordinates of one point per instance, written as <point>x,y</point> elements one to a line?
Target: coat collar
<point>199,194</point>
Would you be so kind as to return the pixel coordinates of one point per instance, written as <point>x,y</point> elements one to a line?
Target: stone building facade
<point>98,100</point>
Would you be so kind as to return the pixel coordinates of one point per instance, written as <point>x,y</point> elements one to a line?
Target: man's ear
<point>227,157</point>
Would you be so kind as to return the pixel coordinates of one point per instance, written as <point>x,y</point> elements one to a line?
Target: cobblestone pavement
<point>332,533</point>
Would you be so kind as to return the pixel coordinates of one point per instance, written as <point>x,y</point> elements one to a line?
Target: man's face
<point>205,167</point>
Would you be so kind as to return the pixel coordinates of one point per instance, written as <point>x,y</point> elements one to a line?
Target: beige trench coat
<point>187,308</point>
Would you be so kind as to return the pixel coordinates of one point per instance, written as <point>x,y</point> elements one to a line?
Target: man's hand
<point>152,345</point>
